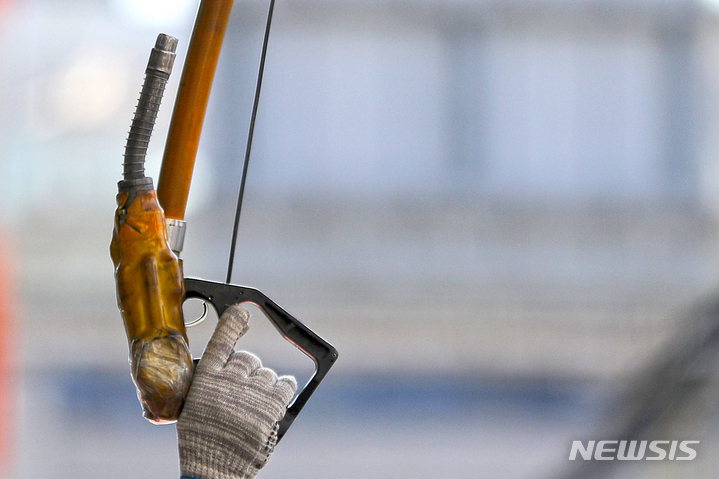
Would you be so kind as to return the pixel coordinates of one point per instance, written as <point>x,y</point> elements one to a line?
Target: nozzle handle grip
<point>323,354</point>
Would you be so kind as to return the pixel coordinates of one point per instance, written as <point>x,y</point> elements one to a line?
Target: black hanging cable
<point>248,148</point>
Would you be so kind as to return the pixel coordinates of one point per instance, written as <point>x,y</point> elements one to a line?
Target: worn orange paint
<point>181,148</point>
<point>150,289</point>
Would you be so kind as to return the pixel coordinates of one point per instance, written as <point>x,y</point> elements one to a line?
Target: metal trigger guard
<point>323,354</point>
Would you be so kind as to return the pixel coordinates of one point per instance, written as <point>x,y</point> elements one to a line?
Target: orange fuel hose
<point>181,148</point>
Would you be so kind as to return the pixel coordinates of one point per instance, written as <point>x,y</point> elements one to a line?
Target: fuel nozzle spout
<point>158,70</point>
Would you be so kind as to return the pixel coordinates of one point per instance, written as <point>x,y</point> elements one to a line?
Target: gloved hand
<point>228,425</point>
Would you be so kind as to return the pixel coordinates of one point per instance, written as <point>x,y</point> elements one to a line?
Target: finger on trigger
<point>232,325</point>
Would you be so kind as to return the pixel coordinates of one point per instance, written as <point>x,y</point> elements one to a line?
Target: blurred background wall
<point>500,213</point>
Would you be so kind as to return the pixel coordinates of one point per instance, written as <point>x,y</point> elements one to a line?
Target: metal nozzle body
<point>157,73</point>
<point>176,234</point>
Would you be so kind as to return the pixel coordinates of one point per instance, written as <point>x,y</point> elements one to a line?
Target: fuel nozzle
<point>148,275</point>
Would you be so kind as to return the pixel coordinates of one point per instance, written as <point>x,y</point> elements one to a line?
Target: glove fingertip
<point>286,387</point>
<point>238,317</point>
<point>232,325</point>
<point>245,362</point>
<point>289,380</point>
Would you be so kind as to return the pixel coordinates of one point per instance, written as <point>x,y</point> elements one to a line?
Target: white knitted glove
<point>228,425</point>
